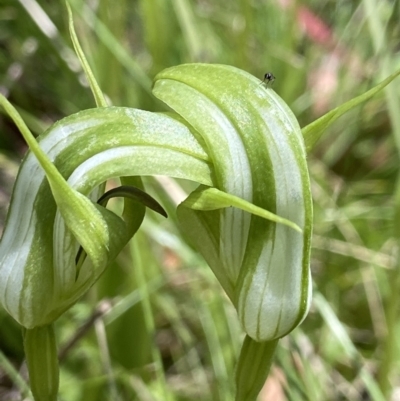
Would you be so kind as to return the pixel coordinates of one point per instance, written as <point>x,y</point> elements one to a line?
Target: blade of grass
<point>118,50</point>
<point>378,37</point>
<point>215,350</point>
<point>140,261</point>
<point>97,93</point>
<point>189,29</point>
<point>13,374</point>
<point>339,331</point>
<point>46,25</point>
<point>159,32</point>
<point>313,132</point>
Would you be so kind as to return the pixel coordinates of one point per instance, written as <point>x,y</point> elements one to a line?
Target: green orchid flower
<point>258,154</point>
<point>250,218</point>
<point>253,162</point>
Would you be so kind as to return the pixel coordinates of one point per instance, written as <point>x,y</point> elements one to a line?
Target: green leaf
<point>313,132</point>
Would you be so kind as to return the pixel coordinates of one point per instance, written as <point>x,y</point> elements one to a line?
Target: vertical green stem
<point>41,358</point>
<point>253,367</point>
<point>139,266</point>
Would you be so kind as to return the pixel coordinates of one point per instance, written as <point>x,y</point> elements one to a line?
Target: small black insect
<point>269,78</point>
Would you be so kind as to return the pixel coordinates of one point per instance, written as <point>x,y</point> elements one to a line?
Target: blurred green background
<point>167,331</point>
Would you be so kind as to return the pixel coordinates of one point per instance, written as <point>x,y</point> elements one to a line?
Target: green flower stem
<point>254,363</point>
<point>41,357</point>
